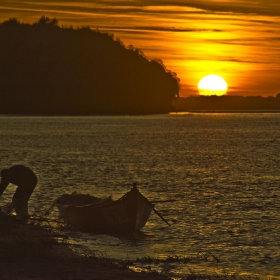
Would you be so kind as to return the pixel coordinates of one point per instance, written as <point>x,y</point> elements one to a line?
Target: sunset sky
<point>238,40</point>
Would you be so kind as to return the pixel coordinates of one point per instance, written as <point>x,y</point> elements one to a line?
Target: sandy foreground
<point>29,251</point>
<point>68,269</point>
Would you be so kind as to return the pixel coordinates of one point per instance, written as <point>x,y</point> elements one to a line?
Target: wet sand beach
<point>69,269</point>
<point>29,251</point>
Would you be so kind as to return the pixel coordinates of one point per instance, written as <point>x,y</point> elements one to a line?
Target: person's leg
<point>21,208</point>
<point>20,200</point>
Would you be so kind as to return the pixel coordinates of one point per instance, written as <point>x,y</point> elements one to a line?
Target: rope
<point>10,206</point>
<point>48,212</point>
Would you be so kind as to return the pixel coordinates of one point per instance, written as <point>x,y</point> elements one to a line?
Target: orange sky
<point>239,41</point>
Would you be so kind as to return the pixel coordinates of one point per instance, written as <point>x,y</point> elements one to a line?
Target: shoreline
<point>224,111</point>
<point>29,251</point>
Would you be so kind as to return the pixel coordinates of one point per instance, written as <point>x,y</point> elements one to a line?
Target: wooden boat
<point>91,214</point>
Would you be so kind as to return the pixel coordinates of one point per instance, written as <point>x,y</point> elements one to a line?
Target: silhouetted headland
<point>227,102</point>
<point>47,69</point>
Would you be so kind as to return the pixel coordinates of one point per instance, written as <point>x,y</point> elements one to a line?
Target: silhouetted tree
<point>46,69</point>
<point>227,102</point>
<point>43,21</point>
<point>11,22</point>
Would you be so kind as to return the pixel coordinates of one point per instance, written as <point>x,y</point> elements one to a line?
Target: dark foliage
<point>47,69</point>
<point>227,102</point>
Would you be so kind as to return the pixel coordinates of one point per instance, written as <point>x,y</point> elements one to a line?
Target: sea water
<point>221,169</point>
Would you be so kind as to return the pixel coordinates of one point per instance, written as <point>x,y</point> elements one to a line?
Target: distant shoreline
<point>193,111</point>
<point>225,111</point>
<point>227,103</point>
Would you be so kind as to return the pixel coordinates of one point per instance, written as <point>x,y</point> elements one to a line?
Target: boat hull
<point>128,214</point>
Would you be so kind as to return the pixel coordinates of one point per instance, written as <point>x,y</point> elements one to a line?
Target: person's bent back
<point>26,181</point>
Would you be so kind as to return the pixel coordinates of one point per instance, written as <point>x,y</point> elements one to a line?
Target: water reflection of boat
<point>91,214</point>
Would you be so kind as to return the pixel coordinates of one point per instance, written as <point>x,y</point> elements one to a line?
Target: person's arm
<point>3,185</point>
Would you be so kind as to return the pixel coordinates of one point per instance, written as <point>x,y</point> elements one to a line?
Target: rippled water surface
<point>223,170</point>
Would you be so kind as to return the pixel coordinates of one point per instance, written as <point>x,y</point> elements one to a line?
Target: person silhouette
<point>26,180</point>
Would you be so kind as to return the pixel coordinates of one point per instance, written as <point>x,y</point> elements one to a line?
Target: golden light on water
<point>212,85</point>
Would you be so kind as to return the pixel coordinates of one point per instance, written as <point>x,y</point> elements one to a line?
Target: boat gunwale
<point>101,205</point>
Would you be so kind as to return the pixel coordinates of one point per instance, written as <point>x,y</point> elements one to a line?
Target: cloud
<point>163,29</point>
<point>260,7</point>
<point>246,41</point>
<point>146,11</point>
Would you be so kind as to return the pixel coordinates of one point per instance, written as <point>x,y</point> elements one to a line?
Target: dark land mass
<point>227,103</point>
<point>29,251</point>
<point>47,69</point>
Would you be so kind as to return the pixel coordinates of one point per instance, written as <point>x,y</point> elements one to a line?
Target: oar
<point>163,201</point>
<point>151,203</point>
<point>160,216</point>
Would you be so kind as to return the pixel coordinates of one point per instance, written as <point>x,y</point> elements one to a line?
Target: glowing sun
<point>212,85</point>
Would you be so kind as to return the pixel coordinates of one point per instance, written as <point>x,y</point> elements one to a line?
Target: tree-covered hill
<point>47,69</point>
<point>227,102</point>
